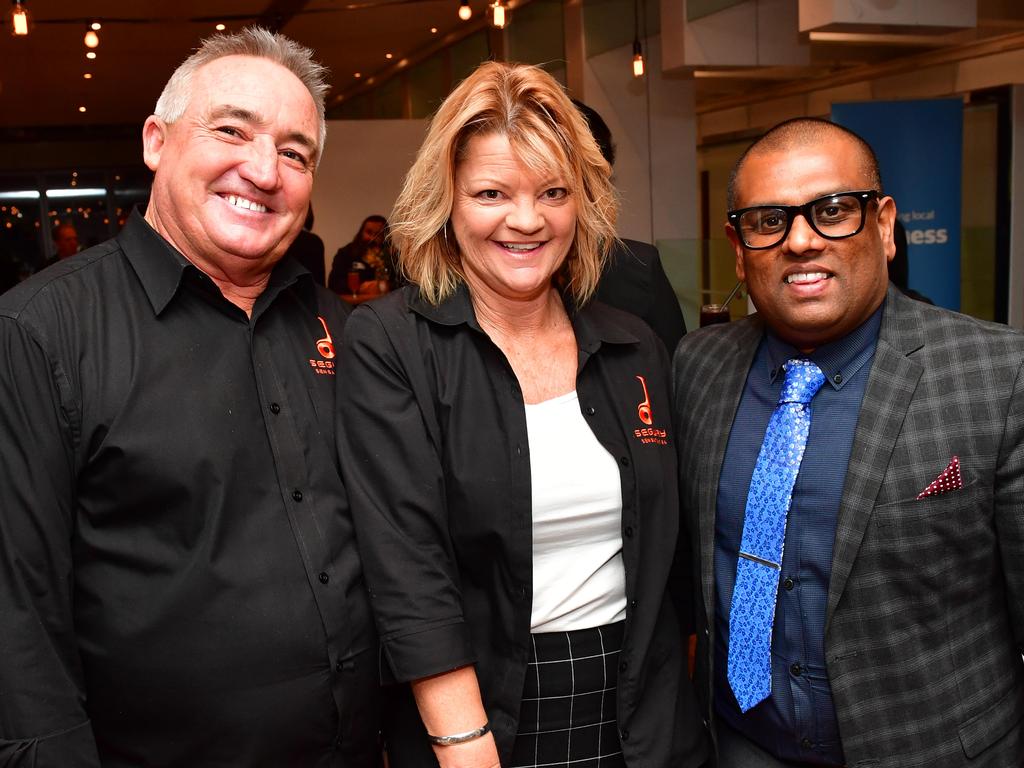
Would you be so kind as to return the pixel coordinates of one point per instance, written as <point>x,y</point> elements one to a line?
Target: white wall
<point>654,128</point>
<point>361,173</point>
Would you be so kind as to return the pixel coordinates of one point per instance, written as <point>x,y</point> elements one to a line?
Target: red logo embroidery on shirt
<point>649,433</point>
<point>325,347</point>
<point>644,409</point>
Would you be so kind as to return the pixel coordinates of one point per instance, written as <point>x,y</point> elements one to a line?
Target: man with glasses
<point>852,473</point>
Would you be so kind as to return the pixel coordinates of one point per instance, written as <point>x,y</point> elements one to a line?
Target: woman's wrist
<point>459,738</point>
<point>478,753</point>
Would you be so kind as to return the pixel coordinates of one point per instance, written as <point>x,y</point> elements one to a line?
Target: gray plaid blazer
<point>925,620</point>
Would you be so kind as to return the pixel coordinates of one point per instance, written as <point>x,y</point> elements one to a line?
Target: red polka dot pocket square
<point>948,480</point>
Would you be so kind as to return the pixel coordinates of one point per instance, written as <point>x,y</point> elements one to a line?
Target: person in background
<point>899,267</point>
<point>634,279</point>
<point>308,249</point>
<point>854,478</point>
<point>179,583</point>
<point>65,243</point>
<point>368,254</point>
<point>511,459</point>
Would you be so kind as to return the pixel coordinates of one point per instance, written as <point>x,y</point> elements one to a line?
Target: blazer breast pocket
<point>918,539</point>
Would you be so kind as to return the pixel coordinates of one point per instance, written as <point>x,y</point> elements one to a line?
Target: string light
<point>465,12</point>
<point>91,39</point>
<point>498,14</point>
<point>90,55</point>
<point>19,19</point>
<point>220,27</point>
<point>96,26</point>
<point>433,30</point>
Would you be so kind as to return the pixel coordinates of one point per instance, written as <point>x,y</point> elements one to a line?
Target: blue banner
<point>919,146</point>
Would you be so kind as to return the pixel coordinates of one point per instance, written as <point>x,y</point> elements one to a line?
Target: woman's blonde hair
<point>547,134</point>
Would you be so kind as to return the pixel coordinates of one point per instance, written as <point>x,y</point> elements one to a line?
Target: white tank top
<point>578,576</point>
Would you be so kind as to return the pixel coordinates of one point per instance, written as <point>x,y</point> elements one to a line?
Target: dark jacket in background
<point>635,282</point>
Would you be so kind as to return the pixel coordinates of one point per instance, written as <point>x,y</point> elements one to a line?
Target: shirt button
<point>591,411</point>
<point>632,604</point>
<point>624,461</point>
<point>629,532</point>
<point>275,408</point>
<point>805,743</point>
<point>623,666</point>
<point>339,665</point>
<point>519,450</point>
<point>297,495</point>
<point>796,669</point>
<point>838,378</point>
<point>324,578</point>
<point>788,583</point>
<point>624,734</point>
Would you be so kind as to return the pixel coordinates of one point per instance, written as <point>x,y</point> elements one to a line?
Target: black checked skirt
<point>567,717</point>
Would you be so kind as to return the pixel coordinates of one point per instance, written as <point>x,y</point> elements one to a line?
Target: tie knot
<point>803,380</point>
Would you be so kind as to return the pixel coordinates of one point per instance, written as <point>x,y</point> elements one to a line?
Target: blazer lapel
<point>890,389</point>
<point>727,382</point>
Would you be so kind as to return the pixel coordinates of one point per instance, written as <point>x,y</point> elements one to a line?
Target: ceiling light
<point>91,39</point>
<point>465,12</point>
<point>357,75</point>
<point>19,19</point>
<point>87,76</point>
<point>80,109</point>
<point>498,14</point>
<point>433,30</point>
<point>96,26</point>
<point>221,27</point>
<point>388,56</point>
<point>871,38</point>
<point>90,55</point>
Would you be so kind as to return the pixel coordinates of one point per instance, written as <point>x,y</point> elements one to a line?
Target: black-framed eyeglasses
<point>832,216</point>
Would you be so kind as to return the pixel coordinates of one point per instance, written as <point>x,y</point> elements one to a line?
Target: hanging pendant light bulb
<point>498,14</point>
<point>19,19</point>
<point>465,12</point>
<point>92,40</point>
<point>638,53</point>
<point>638,59</point>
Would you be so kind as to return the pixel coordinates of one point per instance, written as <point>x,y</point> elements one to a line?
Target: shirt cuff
<point>427,652</point>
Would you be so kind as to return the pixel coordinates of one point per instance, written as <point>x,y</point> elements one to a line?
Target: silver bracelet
<point>460,738</point>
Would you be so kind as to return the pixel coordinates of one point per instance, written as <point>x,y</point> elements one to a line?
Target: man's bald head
<point>799,132</point>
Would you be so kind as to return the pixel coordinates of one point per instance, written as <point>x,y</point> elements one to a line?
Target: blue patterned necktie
<point>764,532</point>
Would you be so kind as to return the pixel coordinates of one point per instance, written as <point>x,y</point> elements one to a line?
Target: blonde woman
<point>510,458</point>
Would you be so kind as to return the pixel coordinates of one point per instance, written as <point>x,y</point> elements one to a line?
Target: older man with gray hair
<point>179,584</point>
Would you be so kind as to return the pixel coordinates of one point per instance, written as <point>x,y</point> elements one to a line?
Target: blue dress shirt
<point>797,722</point>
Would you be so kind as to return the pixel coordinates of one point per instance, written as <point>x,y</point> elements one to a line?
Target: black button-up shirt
<point>437,461</point>
<point>798,721</point>
<point>178,577</point>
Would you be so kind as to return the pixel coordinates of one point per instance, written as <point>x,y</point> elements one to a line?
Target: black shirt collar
<point>161,267</point>
<point>593,323</point>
